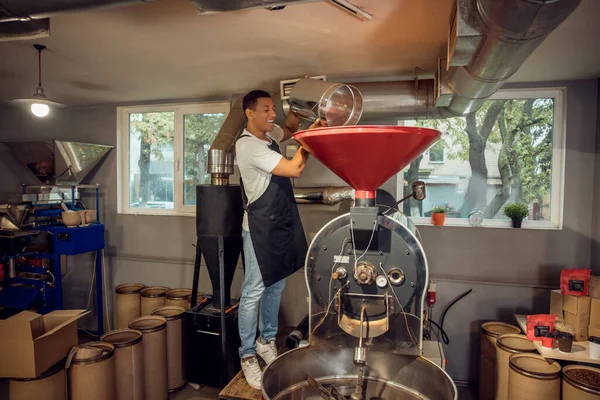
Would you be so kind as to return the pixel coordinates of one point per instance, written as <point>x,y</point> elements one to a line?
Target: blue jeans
<point>257,304</point>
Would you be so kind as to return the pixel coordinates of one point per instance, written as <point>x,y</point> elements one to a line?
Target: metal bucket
<point>388,375</point>
<point>335,103</point>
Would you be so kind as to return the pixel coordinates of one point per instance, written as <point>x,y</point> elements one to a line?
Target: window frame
<point>442,161</point>
<point>559,94</point>
<point>179,110</point>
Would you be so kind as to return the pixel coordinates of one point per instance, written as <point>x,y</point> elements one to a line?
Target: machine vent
<point>285,87</point>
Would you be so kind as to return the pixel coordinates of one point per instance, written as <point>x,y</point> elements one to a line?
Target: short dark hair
<point>251,97</point>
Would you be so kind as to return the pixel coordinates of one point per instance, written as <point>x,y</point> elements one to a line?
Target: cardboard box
<point>594,287</point>
<point>31,343</point>
<point>594,331</point>
<point>574,310</point>
<point>595,312</point>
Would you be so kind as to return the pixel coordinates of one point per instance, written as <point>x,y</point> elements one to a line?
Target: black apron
<point>275,228</point>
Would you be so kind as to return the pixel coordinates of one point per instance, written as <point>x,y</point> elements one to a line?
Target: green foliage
<point>438,210</point>
<point>199,132</point>
<point>516,210</point>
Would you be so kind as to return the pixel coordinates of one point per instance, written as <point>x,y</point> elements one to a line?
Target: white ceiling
<point>166,50</point>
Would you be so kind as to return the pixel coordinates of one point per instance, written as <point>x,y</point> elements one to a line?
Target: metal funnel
<point>56,162</point>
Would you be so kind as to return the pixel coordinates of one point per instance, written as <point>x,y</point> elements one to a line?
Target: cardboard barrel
<point>154,344</point>
<point>152,298</point>
<point>581,382</point>
<point>532,377</point>
<point>490,331</point>
<point>128,303</point>
<point>92,372</point>
<point>51,385</point>
<point>507,345</point>
<point>129,362</point>
<point>179,298</point>
<point>174,317</point>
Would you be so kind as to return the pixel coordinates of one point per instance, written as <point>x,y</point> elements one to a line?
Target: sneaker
<point>267,352</point>
<point>252,372</point>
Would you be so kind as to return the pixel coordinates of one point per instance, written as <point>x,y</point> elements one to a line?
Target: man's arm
<point>292,168</point>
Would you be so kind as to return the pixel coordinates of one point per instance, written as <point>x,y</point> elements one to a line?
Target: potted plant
<point>516,212</point>
<point>438,215</point>
<point>565,335</point>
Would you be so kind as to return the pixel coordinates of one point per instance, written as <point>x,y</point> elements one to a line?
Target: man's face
<point>263,116</point>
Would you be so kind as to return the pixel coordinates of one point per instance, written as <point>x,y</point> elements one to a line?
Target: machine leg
<point>99,304</point>
<point>221,249</point>
<point>193,300</point>
<point>58,289</point>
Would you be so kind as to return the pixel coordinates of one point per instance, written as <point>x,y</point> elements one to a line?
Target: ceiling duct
<point>56,162</point>
<point>219,6</point>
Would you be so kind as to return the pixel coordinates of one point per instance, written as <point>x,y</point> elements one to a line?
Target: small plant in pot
<point>438,215</point>
<point>565,335</point>
<point>516,212</point>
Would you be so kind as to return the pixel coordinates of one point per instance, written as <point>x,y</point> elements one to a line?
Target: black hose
<point>445,337</point>
<point>453,302</point>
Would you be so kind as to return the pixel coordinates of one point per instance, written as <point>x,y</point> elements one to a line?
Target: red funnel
<point>366,156</point>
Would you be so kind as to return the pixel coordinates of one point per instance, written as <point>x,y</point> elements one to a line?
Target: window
<point>436,153</point>
<point>510,150</point>
<point>163,155</point>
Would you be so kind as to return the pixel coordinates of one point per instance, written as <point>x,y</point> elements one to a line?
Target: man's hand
<point>319,123</point>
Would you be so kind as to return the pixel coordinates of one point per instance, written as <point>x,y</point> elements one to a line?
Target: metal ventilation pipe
<point>25,10</point>
<point>489,40</point>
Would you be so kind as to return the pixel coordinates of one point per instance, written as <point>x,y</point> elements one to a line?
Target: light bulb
<point>40,110</point>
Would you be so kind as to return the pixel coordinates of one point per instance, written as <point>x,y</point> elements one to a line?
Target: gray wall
<point>595,254</point>
<point>509,270</point>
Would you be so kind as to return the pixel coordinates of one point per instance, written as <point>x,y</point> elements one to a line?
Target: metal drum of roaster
<point>581,382</point>
<point>152,298</point>
<point>129,362</point>
<point>92,372</point>
<point>51,385</point>
<point>174,317</point>
<point>179,298</point>
<point>154,346</point>
<point>490,331</point>
<point>533,377</point>
<point>507,345</point>
<point>128,303</point>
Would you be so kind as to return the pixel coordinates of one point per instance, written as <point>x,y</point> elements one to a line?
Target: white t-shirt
<point>256,162</point>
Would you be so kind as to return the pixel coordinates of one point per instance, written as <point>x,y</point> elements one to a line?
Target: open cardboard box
<point>31,343</point>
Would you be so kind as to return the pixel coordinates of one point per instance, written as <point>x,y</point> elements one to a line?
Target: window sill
<point>502,224</point>
<point>158,213</point>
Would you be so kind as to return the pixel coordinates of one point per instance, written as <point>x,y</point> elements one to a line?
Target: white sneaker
<point>267,352</point>
<point>252,372</point>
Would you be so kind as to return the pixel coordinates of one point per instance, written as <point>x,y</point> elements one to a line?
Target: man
<point>274,242</point>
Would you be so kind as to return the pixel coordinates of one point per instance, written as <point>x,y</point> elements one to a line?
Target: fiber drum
<point>92,372</point>
<point>179,298</point>
<point>581,383</point>
<point>532,377</point>
<point>154,345</point>
<point>129,360</point>
<point>507,345</point>
<point>490,331</point>
<point>128,303</point>
<point>51,385</point>
<point>152,298</point>
<point>174,317</point>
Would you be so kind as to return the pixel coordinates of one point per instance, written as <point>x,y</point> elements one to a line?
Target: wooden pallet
<point>238,389</point>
